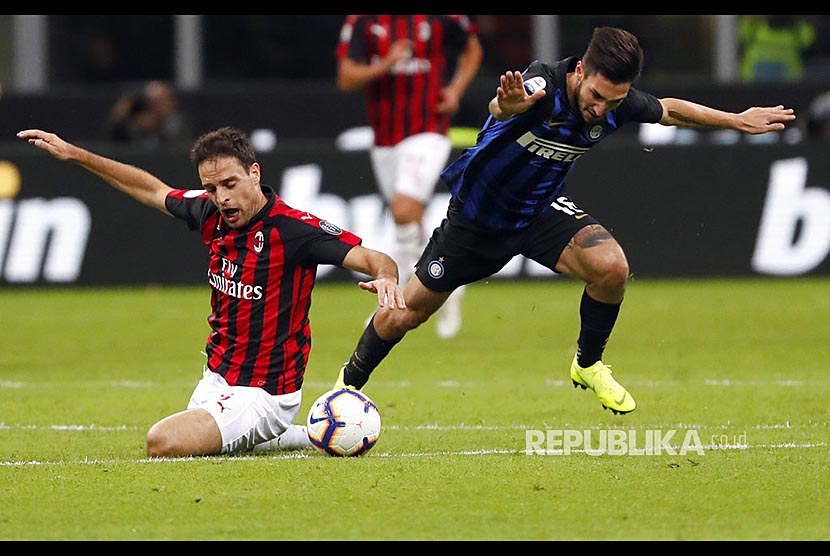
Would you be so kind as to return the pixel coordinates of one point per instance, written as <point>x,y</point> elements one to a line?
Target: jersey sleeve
<point>460,30</point>
<point>536,76</point>
<point>332,246</point>
<point>642,107</point>
<point>350,43</point>
<point>190,205</point>
<point>534,69</point>
<point>312,241</point>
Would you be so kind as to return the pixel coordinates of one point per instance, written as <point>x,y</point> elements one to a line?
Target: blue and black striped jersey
<point>518,166</point>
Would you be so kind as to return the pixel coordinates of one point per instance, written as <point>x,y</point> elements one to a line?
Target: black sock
<point>368,354</point>
<point>596,323</point>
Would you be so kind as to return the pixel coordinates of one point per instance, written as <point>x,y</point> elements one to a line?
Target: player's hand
<point>449,101</point>
<point>389,293</point>
<point>512,97</point>
<point>399,50</point>
<point>757,120</point>
<point>49,142</point>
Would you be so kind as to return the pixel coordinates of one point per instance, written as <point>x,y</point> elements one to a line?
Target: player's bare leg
<point>192,432</point>
<point>594,256</point>
<point>386,329</point>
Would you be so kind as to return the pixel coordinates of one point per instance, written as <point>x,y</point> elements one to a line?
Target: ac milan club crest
<point>259,241</point>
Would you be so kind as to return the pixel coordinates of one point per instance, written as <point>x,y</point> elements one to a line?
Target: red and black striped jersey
<point>261,278</point>
<point>402,102</point>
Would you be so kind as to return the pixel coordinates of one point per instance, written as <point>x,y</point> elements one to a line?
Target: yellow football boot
<point>598,378</point>
<point>340,384</point>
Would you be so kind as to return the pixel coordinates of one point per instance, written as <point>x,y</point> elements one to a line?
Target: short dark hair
<point>225,141</point>
<point>615,54</point>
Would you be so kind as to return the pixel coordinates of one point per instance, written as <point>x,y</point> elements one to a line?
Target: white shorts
<point>245,415</point>
<point>412,167</point>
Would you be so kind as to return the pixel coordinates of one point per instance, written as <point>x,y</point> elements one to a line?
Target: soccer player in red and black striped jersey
<point>508,198</point>
<point>263,261</point>
<point>404,65</point>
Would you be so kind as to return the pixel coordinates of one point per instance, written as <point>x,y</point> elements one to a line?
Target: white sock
<point>409,243</point>
<point>295,437</point>
<point>448,323</point>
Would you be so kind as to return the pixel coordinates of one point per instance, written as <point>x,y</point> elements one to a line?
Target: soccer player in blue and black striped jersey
<point>263,262</point>
<point>509,198</point>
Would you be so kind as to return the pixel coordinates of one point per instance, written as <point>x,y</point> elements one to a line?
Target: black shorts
<point>458,253</point>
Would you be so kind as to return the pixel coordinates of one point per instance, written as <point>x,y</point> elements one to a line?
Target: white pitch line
<point>82,428</point>
<point>472,427</point>
<point>435,427</point>
<point>729,426</point>
<point>303,455</point>
<point>561,383</point>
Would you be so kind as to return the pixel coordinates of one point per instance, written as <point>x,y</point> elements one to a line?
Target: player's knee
<point>614,276</point>
<point>406,209</point>
<point>619,271</point>
<point>158,443</point>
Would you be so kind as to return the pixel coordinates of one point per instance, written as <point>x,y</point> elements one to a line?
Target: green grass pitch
<point>741,363</point>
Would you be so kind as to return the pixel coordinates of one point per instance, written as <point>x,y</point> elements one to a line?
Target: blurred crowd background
<point>88,50</point>
<point>212,61</point>
<point>143,87</point>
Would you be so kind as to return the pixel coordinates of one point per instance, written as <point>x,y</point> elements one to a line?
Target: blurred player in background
<point>263,262</point>
<point>509,198</point>
<point>414,70</point>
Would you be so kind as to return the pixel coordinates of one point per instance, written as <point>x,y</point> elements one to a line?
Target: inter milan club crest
<point>259,241</point>
<point>436,268</point>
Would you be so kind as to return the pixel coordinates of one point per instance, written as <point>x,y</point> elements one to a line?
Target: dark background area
<point>679,211</point>
<point>689,207</point>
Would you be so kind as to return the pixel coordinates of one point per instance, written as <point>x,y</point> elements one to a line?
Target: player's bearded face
<point>235,191</point>
<point>596,96</point>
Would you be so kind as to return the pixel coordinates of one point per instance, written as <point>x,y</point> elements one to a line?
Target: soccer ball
<point>343,423</point>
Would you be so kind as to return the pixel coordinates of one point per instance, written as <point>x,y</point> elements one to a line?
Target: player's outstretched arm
<point>385,272</point>
<point>135,182</point>
<point>755,120</point>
